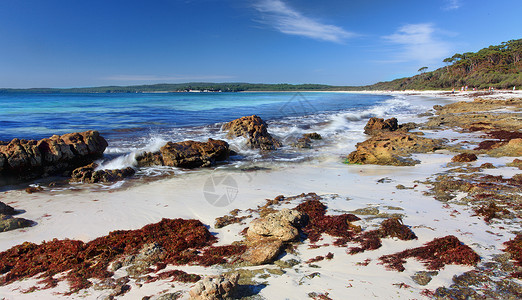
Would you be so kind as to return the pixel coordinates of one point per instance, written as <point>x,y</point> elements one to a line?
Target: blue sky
<point>73,43</point>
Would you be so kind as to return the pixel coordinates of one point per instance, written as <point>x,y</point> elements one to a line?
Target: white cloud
<point>452,4</point>
<point>290,21</point>
<point>164,78</point>
<point>418,43</point>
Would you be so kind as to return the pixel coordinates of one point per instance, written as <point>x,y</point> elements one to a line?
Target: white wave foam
<point>129,160</point>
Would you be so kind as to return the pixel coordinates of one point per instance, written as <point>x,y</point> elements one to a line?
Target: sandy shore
<point>85,215</point>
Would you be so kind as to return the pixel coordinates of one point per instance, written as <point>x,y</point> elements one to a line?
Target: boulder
<point>6,209</point>
<point>378,125</point>
<point>303,142</point>
<point>87,174</point>
<point>9,223</point>
<point>262,250</point>
<point>392,148</point>
<point>187,154</point>
<point>282,225</point>
<point>255,130</point>
<point>313,136</point>
<point>25,159</point>
<point>215,287</point>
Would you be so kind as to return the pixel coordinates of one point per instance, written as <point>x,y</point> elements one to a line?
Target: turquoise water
<point>129,116</point>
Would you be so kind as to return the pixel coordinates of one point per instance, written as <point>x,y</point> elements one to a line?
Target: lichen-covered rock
<point>255,130</point>
<point>187,154</point>
<point>88,174</point>
<point>282,225</point>
<point>464,157</point>
<point>215,287</point>
<point>6,209</point>
<point>8,223</point>
<point>262,251</point>
<point>392,148</point>
<point>378,125</point>
<point>30,159</point>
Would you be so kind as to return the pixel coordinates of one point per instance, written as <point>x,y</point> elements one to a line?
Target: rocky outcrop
<point>254,129</point>
<point>88,174</point>
<point>187,154</point>
<point>378,125</point>
<point>215,287</point>
<point>392,148</point>
<point>26,159</point>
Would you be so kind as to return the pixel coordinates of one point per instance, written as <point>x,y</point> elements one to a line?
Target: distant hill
<point>183,87</point>
<point>496,66</point>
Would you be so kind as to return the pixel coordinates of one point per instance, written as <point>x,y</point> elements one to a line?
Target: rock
<point>280,225</point>
<point>423,277</point>
<point>6,209</point>
<point>464,157</point>
<point>8,223</point>
<point>391,148</point>
<point>512,148</point>
<point>255,130</point>
<point>187,154</point>
<point>378,125</point>
<point>30,159</point>
<point>262,251</point>
<point>215,287</point>
<point>33,189</point>
<point>139,264</point>
<point>87,174</point>
<point>303,142</point>
<point>313,136</point>
<point>517,163</point>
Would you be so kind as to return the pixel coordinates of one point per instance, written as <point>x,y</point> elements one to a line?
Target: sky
<point>75,43</point>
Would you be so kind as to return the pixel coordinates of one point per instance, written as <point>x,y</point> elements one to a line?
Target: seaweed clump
<point>319,223</point>
<point>514,247</point>
<point>434,255</point>
<point>371,240</point>
<point>180,238</point>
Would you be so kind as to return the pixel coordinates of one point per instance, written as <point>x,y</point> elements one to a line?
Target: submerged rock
<point>392,148</point>
<point>26,159</point>
<point>187,154</point>
<point>87,174</point>
<point>255,130</point>
<point>215,287</point>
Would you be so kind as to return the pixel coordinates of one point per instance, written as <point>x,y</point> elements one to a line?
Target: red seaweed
<point>434,255</point>
<point>91,260</point>
<point>514,247</point>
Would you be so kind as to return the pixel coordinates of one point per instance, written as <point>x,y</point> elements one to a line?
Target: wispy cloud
<point>164,78</point>
<point>418,42</point>
<point>287,20</point>
<point>452,4</point>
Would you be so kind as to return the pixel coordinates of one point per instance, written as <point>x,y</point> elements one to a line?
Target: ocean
<point>133,123</point>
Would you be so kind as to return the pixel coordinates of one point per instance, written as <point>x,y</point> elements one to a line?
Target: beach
<point>373,193</point>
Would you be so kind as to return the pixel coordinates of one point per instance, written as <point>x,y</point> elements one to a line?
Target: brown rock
<point>87,174</point>
<point>464,157</point>
<point>378,125</point>
<point>215,287</point>
<point>254,129</point>
<point>262,251</point>
<point>313,136</point>
<point>29,159</point>
<point>187,154</point>
<point>281,225</point>
<point>392,148</point>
